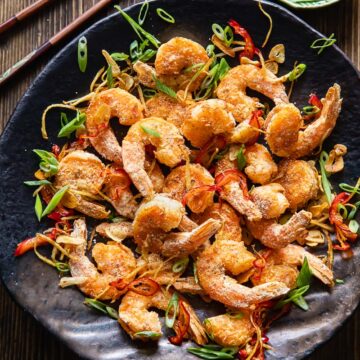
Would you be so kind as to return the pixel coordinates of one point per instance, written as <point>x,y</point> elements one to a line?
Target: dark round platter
<point>35,286</point>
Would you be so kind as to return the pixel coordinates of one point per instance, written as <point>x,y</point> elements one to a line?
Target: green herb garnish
<point>119,56</point>
<point>55,200</point>
<point>143,12</point>
<point>173,307</point>
<point>109,77</point>
<point>180,265</point>
<point>73,125</point>
<point>151,132</point>
<point>240,157</point>
<point>324,177</point>
<point>323,43</point>
<point>149,334</point>
<point>164,88</point>
<point>214,352</point>
<point>37,182</point>
<point>339,281</point>
<point>165,15</point>
<point>38,207</point>
<point>48,162</point>
<point>82,53</point>
<point>297,72</point>
<point>62,267</point>
<point>354,226</point>
<point>100,306</point>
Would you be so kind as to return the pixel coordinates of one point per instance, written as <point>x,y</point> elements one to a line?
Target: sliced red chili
<point>58,214</point>
<point>181,325</point>
<point>28,244</point>
<point>143,286</point>
<point>217,142</point>
<point>255,123</point>
<point>243,354</point>
<point>233,175</point>
<point>250,49</point>
<point>55,149</point>
<point>315,101</point>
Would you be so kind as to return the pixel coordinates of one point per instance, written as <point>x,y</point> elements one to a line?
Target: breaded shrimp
<point>155,173</point>
<point>232,256</point>
<point>135,317</point>
<point>232,88</point>
<point>207,119</point>
<point>230,229</point>
<point>270,199</point>
<point>260,167</point>
<point>284,122</point>
<point>104,106</point>
<point>300,180</point>
<point>276,236</point>
<point>234,195</point>
<point>168,108</point>
<point>294,255</point>
<point>176,186</point>
<point>164,136</point>
<point>188,285</point>
<point>155,219</point>
<point>276,272</point>
<point>114,261</point>
<point>177,55</point>
<point>83,171</point>
<point>116,231</point>
<point>229,331</point>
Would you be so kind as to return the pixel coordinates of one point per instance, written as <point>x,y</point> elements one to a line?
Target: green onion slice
<point>240,157</point>
<point>119,56</point>
<point>310,110</point>
<point>324,177</point>
<point>339,281</point>
<point>62,267</point>
<point>112,312</point>
<point>48,162</point>
<point>342,211</point>
<point>72,125</point>
<point>149,131</point>
<point>38,207</point>
<point>149,334</point>
<point>218,31</point>
<point>82,53</point>
<point>195,273</point>
<point>37,182</point>
<point>354,226</point>
<point>305,274</point>
<point>54,202</point>
<point>109,77</point>
<point>147,55</point>
<point>228,35</point>
<point>164,88</point>
<point>63,119</point>
<point>350,189</point>
<point>148,93</point>
<point>210,50</point>
<point>180,265</point>
<point>172,308</point>
<point>165,15</point>
<point>206,353</point>
<point>235,315</point>
<point>143,12</point>
<point>100,306</point>
<point>140,32</point>
<point>323,43</point>
<point>297,72</point>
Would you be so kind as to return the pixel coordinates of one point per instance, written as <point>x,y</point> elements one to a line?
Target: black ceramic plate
<point>35,285</point>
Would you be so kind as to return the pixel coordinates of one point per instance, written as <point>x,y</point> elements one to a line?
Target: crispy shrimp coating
<point>284,123</point>
<point>275,236</point>
<point>230,229</point>
<point>117,231</point>
<point>229,331</point>
<point>300,180</point>
<point>168,108</point>
<point>177,55</point>
<point>260,167</point>
<point>169,149</point>
<point>176,186</point>
<point>207,119</point>
<point>104,106</point>
<point>270,199</point>
<point>83,171</point>
<point>155,219</point>
<point>232,256</point>
<point>114,261</point>
<point>277,272</point>
<point>234,195</point>
<point>135,317</point>
<point>232,88</point>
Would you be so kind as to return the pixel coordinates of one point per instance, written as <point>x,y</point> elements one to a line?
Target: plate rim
<point>60,52</point>
<point>309,7</point>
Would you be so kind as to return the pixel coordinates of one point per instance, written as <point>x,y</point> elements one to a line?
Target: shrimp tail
<point>182,244</point>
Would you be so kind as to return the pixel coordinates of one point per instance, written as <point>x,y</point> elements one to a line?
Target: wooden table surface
<point>21,337</point>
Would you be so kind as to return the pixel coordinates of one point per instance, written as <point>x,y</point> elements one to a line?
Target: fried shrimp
<point>284,122</point>
<point>135,317</point>
<point>114,261</point>
<point>83,171</point>
<point>176,186</point>
<point>270,199</point>
<point>300,180</point>
<point>232,88</point>
<point>294,255</point>
<point>233,193</point>
<point>155,219</point>
<point>104,106</point>
<point>230,228</point>
<point>176,56</point>
<point>164,106</point>
<point>260,167</point>
<point>169,149</point>
<point>274,235</point>
<point>116,231</point>
<point>231,256</point>
<point>207,119</point>
<point>230,331</point>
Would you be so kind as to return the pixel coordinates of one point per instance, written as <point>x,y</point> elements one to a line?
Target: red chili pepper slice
<point>57,215</point>
<point>143,286</point>
<point>28,244</point>
<point>233,175</point>
<point>217,142</point>
<point>315,101</point>
<point>343,247</point>
<point>255,123</point>
<point>250,49</point>
<point>55,149</point>
<point>181,325</point>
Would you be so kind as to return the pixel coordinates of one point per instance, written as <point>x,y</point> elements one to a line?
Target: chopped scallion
<point>323,43</point>
<point>180,265</point>
<point>151,132</point>
<point>172,308</point>
<point>82,53</point>
<point>55,200</point>
<point>38,207</point>
<point>297,72</point>
<point>165,15</point>
<point>72,125</point>
<point>164,88</point>
<point>143,12</point>
<point>37,182</point>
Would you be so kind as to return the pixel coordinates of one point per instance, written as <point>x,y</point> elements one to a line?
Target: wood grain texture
<point>21,337</point>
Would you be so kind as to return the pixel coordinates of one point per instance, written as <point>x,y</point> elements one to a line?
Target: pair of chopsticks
<point>29,58</point>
